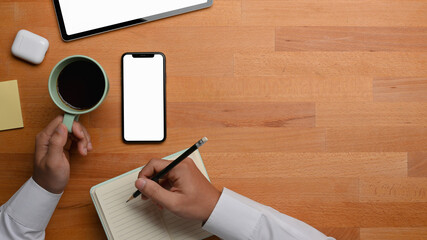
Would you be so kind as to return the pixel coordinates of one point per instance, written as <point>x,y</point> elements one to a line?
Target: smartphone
<point>143,97</point>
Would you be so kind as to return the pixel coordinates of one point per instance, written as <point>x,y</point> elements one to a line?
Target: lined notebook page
<point>139,219</point>
<point>136,219</point>
<point>183,230</point>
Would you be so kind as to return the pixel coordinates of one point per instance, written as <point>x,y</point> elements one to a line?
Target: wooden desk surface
<point>316,108</point>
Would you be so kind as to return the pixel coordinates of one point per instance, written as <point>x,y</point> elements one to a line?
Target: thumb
<point>155,192</point>
<point>58,141</point>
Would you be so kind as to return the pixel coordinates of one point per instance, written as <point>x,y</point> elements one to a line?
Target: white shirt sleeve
<point>27,213</point>
<point>238,217</point>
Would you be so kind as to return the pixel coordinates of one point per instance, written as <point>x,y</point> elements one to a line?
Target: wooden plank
<point>371,114</point>
<point>316,165</point>
<point>221,139</point>
<point>404,214</point>
<point>396,233</point>
<point>63,223</point>
<point>400,89</point>
<point>296,189</point>
<point>220,115</point>
<point>417,164</point>
<point>24,136</point>
<point>334,13</point>
<point>351,39</point>
<point>240,115</point>
<point>376,139</point>
<point>267,89</point>
<point>393,189</point>
<point>342,233</point>
<point>331,64</point>
<point>7,18</point>
<point>175,38</point>
<point>25,14</point>
<point>6,38</point>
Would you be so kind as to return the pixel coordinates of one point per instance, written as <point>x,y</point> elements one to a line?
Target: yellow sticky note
<point>10,106</point>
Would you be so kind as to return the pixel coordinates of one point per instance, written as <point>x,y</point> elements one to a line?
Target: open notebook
<point>140,219</point>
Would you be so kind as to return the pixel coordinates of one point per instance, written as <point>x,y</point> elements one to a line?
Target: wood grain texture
<point>419,233</point>
<point>271,89</point>
<point>334,13</point>
<point>241,115</point>
<point>315,108</point>
<point>369,64</point>
<point>342,233</point>
<point>371,114</point>
<point>254,139</point>
<point>307,165</point>
<point>221,114</point>
<point>417,164</point>
<point>400,89</point>
<point>376,139</point>
<point>297,189</point>
<point>393,189</point>
<point>370,39</point>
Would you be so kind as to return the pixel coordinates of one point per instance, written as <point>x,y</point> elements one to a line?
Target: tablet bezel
<point>117,26</point>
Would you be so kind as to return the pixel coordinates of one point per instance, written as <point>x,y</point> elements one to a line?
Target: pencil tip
<point>131,197</point>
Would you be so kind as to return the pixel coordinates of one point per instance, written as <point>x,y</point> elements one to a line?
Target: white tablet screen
<point>84,15</point>
<point>143,98</point>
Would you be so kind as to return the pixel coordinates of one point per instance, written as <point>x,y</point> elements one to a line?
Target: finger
<point>42,138</point>
<point>82,142</point>
<point>155,192</point>
<point>57,142</point>
<point>153,166</point>
<point>51,127</point>
<point>79,126</point>
<point>89,141</point>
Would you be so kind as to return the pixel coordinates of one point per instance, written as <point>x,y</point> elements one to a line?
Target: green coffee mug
<point>72,114</point>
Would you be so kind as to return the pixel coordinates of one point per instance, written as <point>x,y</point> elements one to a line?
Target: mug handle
<point>69,120</point>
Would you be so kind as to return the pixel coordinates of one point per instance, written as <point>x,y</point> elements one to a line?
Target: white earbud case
<point>30,47</point>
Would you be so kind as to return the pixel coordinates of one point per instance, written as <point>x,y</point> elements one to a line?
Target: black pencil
<point>172,164</point>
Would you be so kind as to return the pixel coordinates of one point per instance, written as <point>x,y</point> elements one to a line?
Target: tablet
<point>83,18</point>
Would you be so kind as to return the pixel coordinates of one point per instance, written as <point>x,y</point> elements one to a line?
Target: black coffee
<point>81,85</point>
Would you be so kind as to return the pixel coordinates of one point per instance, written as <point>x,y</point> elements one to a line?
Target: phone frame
<point>144,55</point>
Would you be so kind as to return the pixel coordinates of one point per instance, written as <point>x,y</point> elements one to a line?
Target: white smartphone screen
<point>143,95</point>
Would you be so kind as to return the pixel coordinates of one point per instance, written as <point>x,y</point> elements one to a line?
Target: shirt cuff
<point>32,206</point>
<point>234,215</point>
